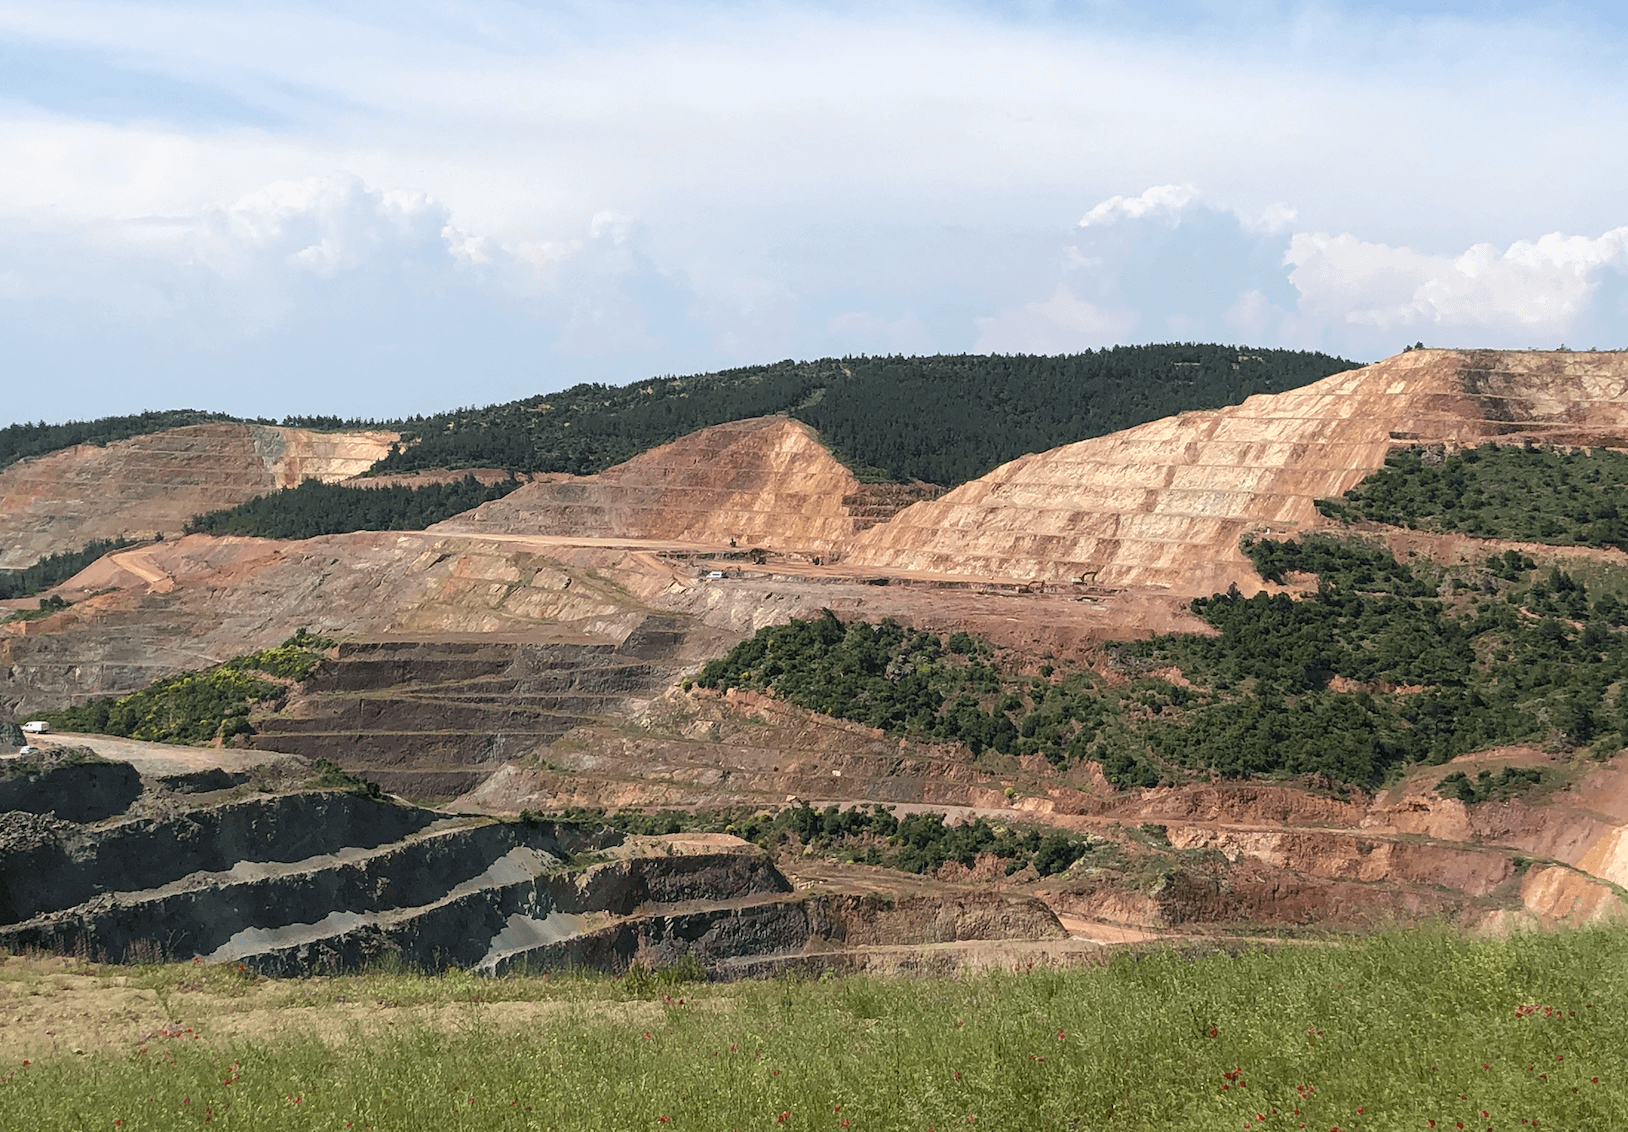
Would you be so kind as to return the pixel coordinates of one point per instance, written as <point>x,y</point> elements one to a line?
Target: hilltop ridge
<point>938,419</point>
<point>763,482</point>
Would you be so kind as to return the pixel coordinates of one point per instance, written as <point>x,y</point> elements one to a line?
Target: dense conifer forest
<point>943,419</point>
<point>947,420</point>
<point>1375,670</point>
<point>314,508</point>
<point>1567,498</point>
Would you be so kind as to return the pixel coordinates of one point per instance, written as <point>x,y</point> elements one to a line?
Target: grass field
<point>1392,1032</point>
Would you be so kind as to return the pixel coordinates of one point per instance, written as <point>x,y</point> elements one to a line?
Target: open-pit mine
<point>539,653</point>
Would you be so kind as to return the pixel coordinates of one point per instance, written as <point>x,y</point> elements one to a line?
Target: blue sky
<point>380,209</point>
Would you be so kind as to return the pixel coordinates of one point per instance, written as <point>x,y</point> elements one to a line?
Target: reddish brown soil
<point>1048,557</point>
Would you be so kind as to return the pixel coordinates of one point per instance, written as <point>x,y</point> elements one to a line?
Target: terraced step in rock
<point>74,785</point>
<point>766,924</point>
<point>367,665</point>
<point>765,482</point>
<point>1163,505</point>
<point>48,867</point>
<point>60,501</point>
<point>476,894</point>
<point>432,719</point>
<point>526,908</point>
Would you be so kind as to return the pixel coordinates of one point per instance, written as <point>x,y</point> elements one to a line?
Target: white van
<point>37,727</point>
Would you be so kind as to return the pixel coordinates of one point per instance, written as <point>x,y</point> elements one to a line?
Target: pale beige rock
<point>153,484</point>
<point>765,482</point>
<point>1561,895</point>
<point>1163,505</point>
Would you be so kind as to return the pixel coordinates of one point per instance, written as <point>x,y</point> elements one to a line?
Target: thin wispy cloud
<point>392,208</point>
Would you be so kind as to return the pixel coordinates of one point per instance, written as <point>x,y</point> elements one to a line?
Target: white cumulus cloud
<point>324,225</point>
<point>1541,286</point>
<point>1061,324</point>
<point>1165,200</point>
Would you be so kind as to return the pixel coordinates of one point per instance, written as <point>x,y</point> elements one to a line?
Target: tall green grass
<point>1385,1033</point>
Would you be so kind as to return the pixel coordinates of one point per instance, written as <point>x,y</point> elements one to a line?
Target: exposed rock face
<point>1584,828</point>
<point>296,883</point>
<point>155,483</point>
<point>432,719</point>
<point>73,785</point>
<point>198,601</point>
<point>1163,505</point>
<point>74,865</point>
<point>763,482</point>
<point>319,882</point>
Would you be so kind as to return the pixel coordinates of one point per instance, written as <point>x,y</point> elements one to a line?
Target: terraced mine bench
<point>325,881</point>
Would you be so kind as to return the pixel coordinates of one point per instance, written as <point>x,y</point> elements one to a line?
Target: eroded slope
<point>764,482</point>
<point>153,484</point>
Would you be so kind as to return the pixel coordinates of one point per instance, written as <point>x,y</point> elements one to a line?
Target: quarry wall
<point>1163,505</point>
<point>153,484</point>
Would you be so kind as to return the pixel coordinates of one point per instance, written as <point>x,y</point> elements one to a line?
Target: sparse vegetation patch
<point>198,707</point>
<point>874,835</point>
<point>1509,782</point>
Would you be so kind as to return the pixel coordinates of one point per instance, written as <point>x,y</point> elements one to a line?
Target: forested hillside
<point>1373,671</point>
<point>1567,498</point>
<point>943,419</point>
<point>947,420</point>
<point>314,508</point>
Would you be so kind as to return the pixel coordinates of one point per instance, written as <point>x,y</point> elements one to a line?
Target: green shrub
<point>329,775</point>
<point>1568,498</point>
<point>1509,782</point>
<point>197,707</point>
